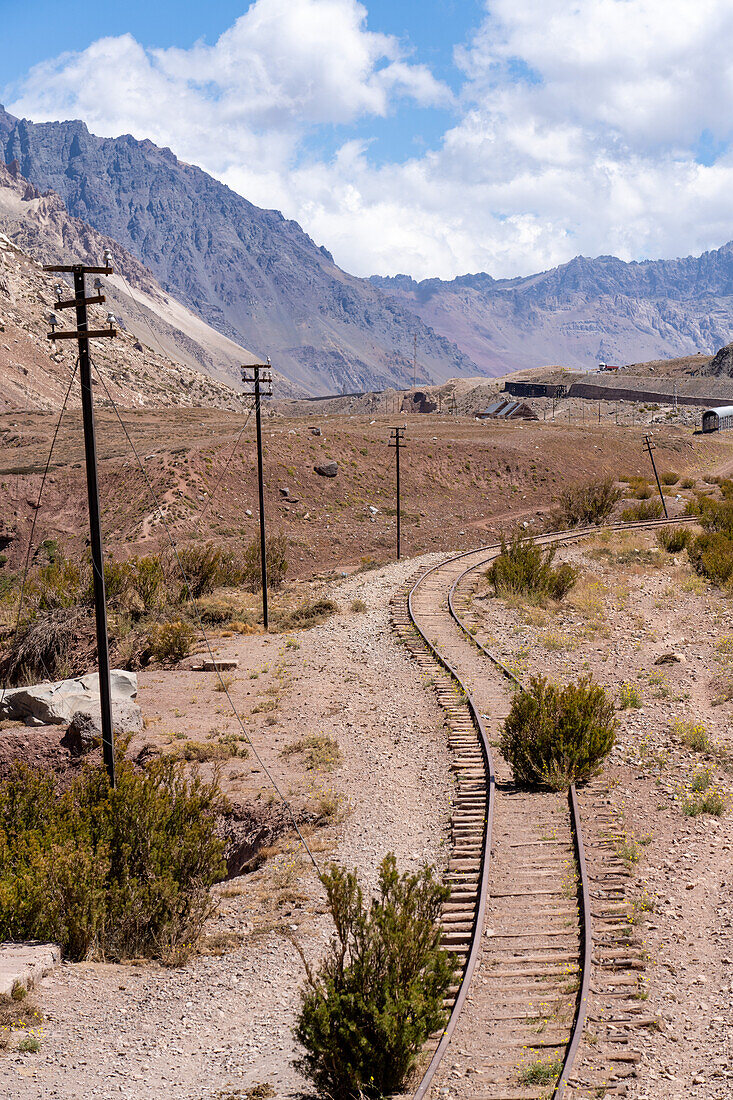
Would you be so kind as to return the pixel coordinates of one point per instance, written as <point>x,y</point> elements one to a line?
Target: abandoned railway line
<point>549,998</point>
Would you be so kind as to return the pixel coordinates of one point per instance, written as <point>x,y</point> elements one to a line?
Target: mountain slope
<point>585,311</point>
<point>41,226</point>
<point>249,273</point>
<point>34,375</point>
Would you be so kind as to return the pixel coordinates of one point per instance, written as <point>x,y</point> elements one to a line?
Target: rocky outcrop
<point>250,273</point>
<point>51,704</point>
<point>722,363</point>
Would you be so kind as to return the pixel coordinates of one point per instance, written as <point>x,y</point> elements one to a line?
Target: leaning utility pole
<point>257,381</point>
<point>396,441</point>
<point>82,334</point>
<point>650,447</point>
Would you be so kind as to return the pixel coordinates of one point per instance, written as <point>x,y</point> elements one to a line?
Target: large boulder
<point>327,469</point>
<point>52,704</point>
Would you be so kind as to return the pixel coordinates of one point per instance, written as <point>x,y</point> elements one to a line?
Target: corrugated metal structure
<point>508,410</point>
<point>718,419</point>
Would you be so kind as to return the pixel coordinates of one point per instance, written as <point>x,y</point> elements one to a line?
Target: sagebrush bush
<point>378,994</point>
<point>276,547</point>
<point>629,697</point>
<point>171,641</point>
<point>644,510</point>
<point>640,488</point>
<point>673,539</point>
<point>581,505</point>
<point>554,736</point>
<point>711,552</point>
<point>116,873</point>
<point>525,569</point>
<point>711,555</point>
<point>150,613</point>
<point>669,477</point>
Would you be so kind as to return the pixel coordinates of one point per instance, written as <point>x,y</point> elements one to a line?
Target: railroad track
<point>538,919</point>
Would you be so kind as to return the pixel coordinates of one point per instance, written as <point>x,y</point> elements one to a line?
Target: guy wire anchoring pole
<point>396,441</point>
<point>650,448</point>
<point>257,381</point>
<point>82,335</point>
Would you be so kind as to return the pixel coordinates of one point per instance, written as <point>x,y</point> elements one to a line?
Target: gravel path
<point>222,1024</point>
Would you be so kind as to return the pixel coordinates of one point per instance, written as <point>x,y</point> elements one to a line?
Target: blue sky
<point>430,29</point>
<point>432,138</point>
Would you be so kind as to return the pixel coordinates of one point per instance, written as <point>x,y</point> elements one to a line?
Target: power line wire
<point>35,519</point>
<point>222,682</point>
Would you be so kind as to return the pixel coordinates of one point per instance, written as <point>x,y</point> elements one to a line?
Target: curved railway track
<point>539,926</point>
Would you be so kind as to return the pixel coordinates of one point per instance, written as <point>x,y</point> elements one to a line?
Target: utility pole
<point>257,381</point>
<point>82,334</point>
<point>599,412</point>
<point>396,441</point>
<point>650,447</point>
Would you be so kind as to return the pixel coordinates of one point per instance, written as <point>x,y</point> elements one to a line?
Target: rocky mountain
<point>584,312</point>
<point>249,273</point>
<point>34,375</point>
<point>42,227</point>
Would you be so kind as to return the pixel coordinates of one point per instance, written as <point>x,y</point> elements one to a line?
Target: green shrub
<point>206,568</point>
<point>276,547</point>
<point>553,736</point>
<point>171,641</point>
<point>524,568</point>
<point>640,488</point>
<point>147,578</point>
<point>694,735</point>
<point>711,555</point>
<point>644,510</point>
<point>628,697</point>
<point>378,994</point>
<point>711,799</point>
<point>716,516</point>
<point>319,751</point>
<point>669,477</point>
<point>688,483</point>
<point>581,505</point>
<point>673,539</point>
<point>114,873</point>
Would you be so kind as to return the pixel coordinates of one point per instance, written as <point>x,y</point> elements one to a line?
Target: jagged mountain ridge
<point>248,272</point>
<point>585,311</point>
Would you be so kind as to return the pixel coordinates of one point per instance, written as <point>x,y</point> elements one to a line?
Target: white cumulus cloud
<point>576,129</point>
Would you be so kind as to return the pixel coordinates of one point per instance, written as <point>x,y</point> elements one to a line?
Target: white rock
<point>52,704</point>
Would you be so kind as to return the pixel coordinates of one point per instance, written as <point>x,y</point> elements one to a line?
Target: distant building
<point>526,388</point>
<point>508,410</point>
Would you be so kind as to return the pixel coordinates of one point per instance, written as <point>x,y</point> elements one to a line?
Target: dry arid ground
<point>462,481</point>
<point>222,1024</point>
